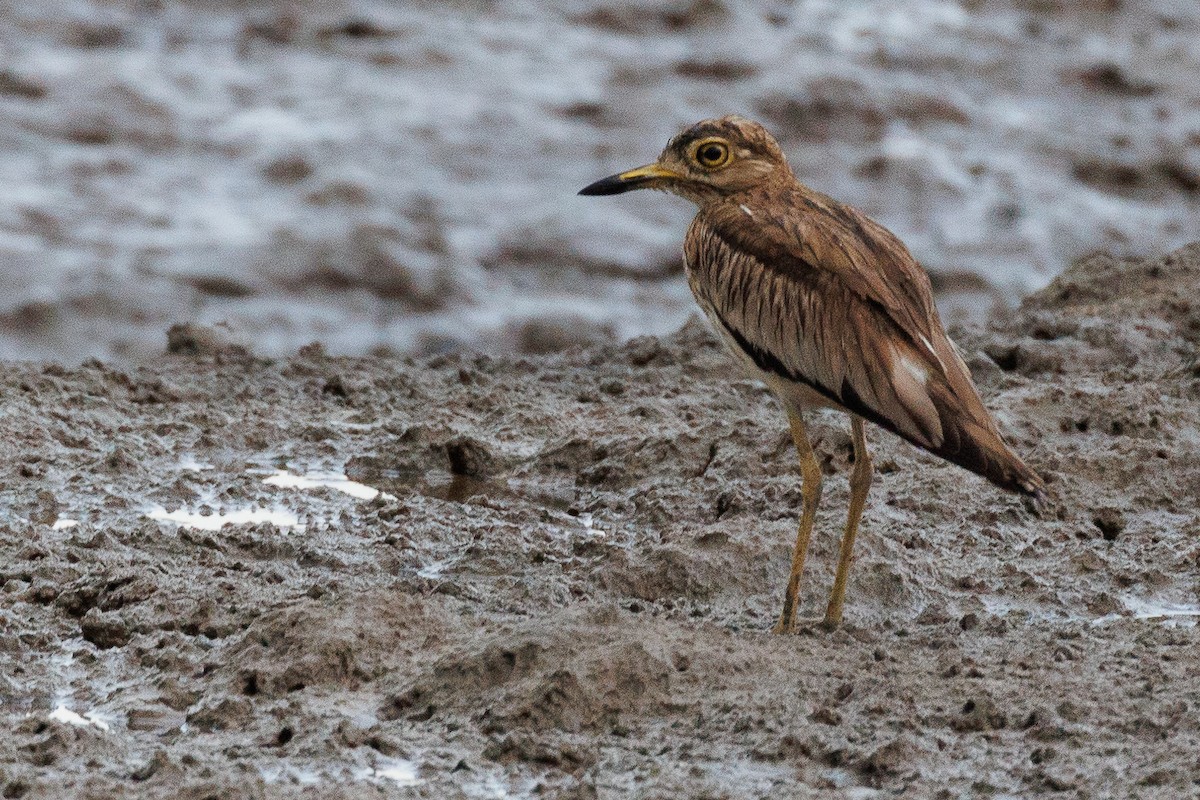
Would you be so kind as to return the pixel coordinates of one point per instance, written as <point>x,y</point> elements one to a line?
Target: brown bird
<point>829,309</point>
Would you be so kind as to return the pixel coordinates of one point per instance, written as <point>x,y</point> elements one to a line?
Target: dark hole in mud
<point>335,387</point>
<point>468,457</point>
<point>361,29</point>
<point>285,735</point>
<point>1110,523</point>
<point>968,707</point>
<point>250,687</point>
<point>16,789</point>
<point>1007,359</point>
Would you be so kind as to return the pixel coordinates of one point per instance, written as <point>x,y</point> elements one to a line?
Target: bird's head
<point>708,161</point>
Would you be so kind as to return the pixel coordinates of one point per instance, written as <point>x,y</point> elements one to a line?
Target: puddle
<point>1183,615</point>
<point>89,720</point>
<point>385,772</point>
<point>391,771</point>
<point>276,515</point>
<point>491,787</point>
<point>62,524</point>
<point>440,484</point>
<point>279,517</point>
<point>329,480</point>
<point>443,484</point>
<point>1173,614</point>
<point>190,463</point>
<point>279,773</point>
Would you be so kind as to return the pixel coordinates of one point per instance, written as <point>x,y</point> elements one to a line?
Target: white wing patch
<point>916,370</point>
<point>917,416</point>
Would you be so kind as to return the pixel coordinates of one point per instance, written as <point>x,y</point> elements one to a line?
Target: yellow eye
<point>712,153</point>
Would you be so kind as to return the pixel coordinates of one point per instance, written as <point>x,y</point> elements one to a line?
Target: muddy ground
<point>565,586</point>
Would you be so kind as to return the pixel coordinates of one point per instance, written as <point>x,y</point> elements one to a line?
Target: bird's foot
<point>833,619</point>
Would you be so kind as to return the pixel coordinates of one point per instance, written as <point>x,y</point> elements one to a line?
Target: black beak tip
<point>610,185</point>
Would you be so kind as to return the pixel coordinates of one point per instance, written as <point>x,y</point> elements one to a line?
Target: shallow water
<point>402,177</point>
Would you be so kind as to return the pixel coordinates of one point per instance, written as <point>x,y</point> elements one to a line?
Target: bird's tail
<point>980,449</point>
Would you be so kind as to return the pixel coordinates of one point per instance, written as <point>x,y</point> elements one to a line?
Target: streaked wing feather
<point>820,294</point>
<point>809,327</point>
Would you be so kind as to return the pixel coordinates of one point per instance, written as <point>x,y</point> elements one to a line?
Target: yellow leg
<point>860,483</point>
<point>810,491</point>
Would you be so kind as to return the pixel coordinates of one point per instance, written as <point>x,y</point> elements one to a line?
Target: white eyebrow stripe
<point>749,213</point>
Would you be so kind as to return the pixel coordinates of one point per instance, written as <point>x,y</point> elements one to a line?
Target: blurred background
<point>401,177</point>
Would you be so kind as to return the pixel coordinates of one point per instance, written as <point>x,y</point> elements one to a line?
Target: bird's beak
<point>633,179</point>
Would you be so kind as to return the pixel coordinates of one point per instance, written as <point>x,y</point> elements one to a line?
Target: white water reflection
<point>214,521</point>
<point>384,772</point>
<point>332,480</point>
<point>89,719</point>
<point>393,771</point>
<point>189,463</point>
<point>1185,615</point>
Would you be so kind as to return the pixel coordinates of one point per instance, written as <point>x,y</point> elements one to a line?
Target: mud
<point>553,576</point>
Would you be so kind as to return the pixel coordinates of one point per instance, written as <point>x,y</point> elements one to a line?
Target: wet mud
<point>554,576</point>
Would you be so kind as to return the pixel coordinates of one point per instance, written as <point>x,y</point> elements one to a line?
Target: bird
<point>829,309</point>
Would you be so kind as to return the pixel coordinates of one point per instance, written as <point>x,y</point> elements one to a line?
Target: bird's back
<point>819,296</point>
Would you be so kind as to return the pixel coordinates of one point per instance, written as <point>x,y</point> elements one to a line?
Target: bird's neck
<point>777,190</point>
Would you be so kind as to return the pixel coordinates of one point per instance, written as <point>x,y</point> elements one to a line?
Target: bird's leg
<point>810,491</point>
<point>860,482</point>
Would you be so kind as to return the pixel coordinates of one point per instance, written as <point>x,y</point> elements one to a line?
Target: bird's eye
<point>712,154</point>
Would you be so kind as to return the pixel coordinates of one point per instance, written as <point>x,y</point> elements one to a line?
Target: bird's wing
<point>817,293</point>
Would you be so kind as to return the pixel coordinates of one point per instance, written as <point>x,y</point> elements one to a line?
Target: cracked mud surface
<point>565,585</point>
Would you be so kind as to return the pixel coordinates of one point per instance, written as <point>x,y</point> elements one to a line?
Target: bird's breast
<point>727,287</point>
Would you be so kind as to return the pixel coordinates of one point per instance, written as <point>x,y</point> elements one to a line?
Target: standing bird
<point>829,309</point>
